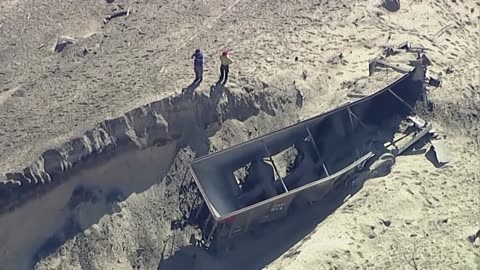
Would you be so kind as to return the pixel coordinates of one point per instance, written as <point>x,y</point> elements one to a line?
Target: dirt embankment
<point>140,158</point>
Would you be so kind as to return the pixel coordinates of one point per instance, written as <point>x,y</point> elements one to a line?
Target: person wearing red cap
<point>225,62</point>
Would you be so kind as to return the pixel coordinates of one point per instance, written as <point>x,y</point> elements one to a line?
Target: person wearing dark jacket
<point>198,65</point>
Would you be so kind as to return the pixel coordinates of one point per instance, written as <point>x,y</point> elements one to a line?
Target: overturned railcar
<point>328,149</point>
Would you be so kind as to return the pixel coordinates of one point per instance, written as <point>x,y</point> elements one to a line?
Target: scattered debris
<point>352,97</point>
<point>405,46</point>
<point>374,63</point>
<point>433,133</point>
<point>417,121</point>
<point>115,15</point>
<point>248,88</point>
<point>442,30</point>
<point>434,82</point>
<point>337,59</point>
<point>62,43</point>
<point>449,70</point>
<point>389,51</point>
<point>82,52</point>
<point>299,98</point>
<point>417,136</point>
<point>441,151</point>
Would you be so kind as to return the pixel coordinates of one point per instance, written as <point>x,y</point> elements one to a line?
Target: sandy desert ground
<point>418,217</point>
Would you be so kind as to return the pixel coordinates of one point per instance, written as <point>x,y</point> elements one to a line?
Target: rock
<point>19,93</point>
<point>473,238</point>
<point>264,85</point>
<point>304,75</point>
<point>299,98</point>
<point>369,231</point>
<point>391,5</point>
<point>248,88</point>
<point>386,222</point>
<point>63,42</point>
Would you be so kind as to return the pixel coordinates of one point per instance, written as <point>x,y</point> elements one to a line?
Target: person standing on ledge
<point>224,67</point>
<point>198,66</point>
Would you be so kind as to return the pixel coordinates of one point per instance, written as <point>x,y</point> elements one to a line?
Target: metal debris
<point>440,150</point>
<point>434,82</point>
<point>115,15</point>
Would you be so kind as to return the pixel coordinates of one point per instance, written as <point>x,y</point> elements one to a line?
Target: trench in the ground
<point>152,158</point>
<point>37,228</point>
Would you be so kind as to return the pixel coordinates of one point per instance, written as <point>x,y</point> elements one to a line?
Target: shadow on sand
<point>258,248</point>
<point>191,88</point>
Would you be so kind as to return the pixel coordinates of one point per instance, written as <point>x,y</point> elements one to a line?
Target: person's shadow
<point>216,92</point>
<point>191,88</point>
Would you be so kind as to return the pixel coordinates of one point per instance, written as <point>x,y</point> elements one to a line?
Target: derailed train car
<point>329,149</point>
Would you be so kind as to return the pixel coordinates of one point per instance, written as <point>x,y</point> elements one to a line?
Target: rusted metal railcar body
<point>337,144</point>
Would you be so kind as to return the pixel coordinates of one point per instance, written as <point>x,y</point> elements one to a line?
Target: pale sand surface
<point>48,98</point>
<point>139,59</point>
